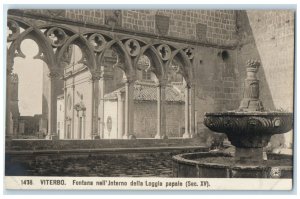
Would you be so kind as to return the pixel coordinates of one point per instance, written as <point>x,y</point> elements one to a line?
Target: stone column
<point>65,111</point>
<point>94,106</point>
<point>129,108</point>
<point>73,111</point>
<point>120,116</point>
<point>52,131</point>
<point>187,112</point>
<point>101,104</point>
<point>196,123</point>
<point>8,132</point>
<point>192,110</point>
<point>161,114</point>
<point>79,132</point>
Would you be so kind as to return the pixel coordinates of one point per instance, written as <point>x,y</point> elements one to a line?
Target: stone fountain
<point>249,129</point>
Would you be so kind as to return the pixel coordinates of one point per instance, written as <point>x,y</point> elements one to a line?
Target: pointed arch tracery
<point>54,40</point>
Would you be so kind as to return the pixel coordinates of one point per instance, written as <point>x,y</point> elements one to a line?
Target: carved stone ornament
<point>97,41</point>
<point>201,30</point>
<point>80,107</point>
<point>68,118</point>
<point>164,52</point>
<point>54,74</point>
<point>246,130</point>
<point>96,75</point>
<point>133,47</point>
<point>143,63</point>
<point>189,52</point>
<point>56,12</point>
<point>251,101</point>
<point>113,17</point>
<point>109,123</point>
<point>162,24</point>
<point>57,36</point>
<point>175,68</point>
<point>13,30</point>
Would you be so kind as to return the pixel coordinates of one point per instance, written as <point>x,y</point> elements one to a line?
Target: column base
<point>125,137</point>
<point>96,137</point>
<point>48,137</point>
<point>163,137</point>
<point>186,135</point>
<point>132,137</point>
<point>52,137</point>
<point>8,137</point>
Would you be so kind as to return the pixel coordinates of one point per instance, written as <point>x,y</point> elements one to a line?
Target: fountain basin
<point>249,129</point>
<point>222,165</point>
<point>249,132</point>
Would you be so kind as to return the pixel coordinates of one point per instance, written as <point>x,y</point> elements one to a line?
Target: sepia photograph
<point>184,99</point>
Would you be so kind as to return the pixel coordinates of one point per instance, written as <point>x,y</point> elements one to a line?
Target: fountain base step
<point>223,165</point>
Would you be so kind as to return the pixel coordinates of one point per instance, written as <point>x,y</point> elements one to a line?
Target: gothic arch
<point>187,68</point>
<point>156,62</point>
<point>45,50</point>
<point>124,62</point>
<point>88,57</point>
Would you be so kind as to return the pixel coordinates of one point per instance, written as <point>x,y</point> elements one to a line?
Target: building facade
<point>145,112</point>
<point>75,106</point>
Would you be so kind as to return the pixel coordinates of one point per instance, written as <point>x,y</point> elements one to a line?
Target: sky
<point>30,72</point>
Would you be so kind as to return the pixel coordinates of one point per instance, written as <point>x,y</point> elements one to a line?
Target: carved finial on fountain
<point>253,63</point>
<point>250,101</point>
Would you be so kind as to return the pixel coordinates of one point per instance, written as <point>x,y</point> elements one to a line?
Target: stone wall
<point>26,145</point>
<point>269,37</point>
<point>217,82</point>
<point>273,32</point>
<point>215,26</point>
<point>207,26</point>
<point>145,119</point>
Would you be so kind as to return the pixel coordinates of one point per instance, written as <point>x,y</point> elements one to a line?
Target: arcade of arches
<point>55,49</point>
<point>204,51</point>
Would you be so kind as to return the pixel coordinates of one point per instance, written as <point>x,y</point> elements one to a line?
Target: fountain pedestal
<point>248,155</point>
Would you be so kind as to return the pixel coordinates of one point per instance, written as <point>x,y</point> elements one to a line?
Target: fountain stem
<point>248,155</point>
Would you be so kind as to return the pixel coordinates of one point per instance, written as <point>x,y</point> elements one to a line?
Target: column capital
<point>188,86</point>
<point>54,74</point>
<point>119,94</point>
<point>96,75</point>
<point>9,70</point>
<point>119,64</point>
<point>162,83</point>
<point>95,78</point>
<point>192,85</point>
<point>129,79</point>
<point>120,97</point>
